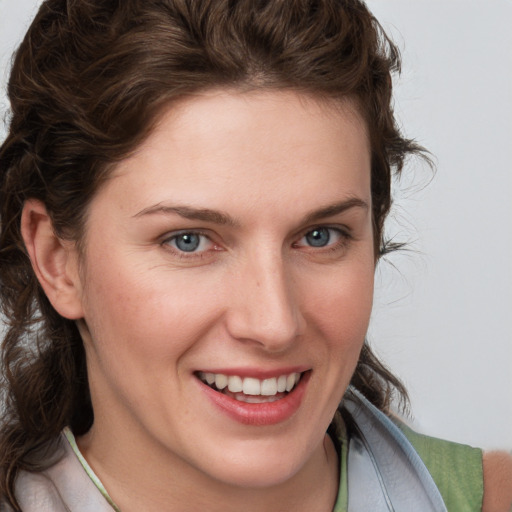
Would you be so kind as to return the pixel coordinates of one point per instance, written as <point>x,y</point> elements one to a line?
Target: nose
<point>263,307</point>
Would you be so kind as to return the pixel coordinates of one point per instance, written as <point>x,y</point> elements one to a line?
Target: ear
<point>55,261</point>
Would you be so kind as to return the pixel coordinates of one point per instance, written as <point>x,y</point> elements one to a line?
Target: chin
<point>262,466</point>
<point>257,476</point>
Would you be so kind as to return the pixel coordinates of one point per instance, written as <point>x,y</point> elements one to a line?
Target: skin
<point>497,482</point>
<point>255,295</point>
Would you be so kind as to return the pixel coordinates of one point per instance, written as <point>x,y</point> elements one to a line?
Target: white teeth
<point>250,386</point>
<point>290,382</point>
<point>281,384</point>
<point>221,381</point>
<point>269,387</point>
<point>235,384</point>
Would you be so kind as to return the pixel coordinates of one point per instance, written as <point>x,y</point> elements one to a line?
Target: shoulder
<point>457,469</point>
<point>497,470</point>
<point>463,472</point>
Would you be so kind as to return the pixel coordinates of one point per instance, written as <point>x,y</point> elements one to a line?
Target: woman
<point>193,196</point>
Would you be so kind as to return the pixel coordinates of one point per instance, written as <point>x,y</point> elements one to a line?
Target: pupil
<point>187,242</point>
<point>318,237</point>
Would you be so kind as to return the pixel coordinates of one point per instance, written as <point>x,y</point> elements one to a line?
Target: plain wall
<point>442,309</point>
<point>442,321</point>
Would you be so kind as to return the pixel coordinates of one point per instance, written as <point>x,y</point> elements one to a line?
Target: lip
<point>260,414</point>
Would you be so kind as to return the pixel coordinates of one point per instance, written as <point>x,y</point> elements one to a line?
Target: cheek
<point>344,301</point>
<point>144,315</point>
<point>338,313</point>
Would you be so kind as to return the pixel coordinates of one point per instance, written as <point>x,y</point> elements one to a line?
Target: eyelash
<point>343,234</point>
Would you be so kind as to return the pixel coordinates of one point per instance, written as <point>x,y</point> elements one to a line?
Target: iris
<point>187,242</point>
<point>319,237</point>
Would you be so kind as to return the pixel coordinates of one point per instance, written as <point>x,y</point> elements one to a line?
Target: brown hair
<point>86,85</point>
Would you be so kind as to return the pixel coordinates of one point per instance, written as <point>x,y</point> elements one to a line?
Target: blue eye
<point>324,237</point>
<point>189,242</point>
<point>318,237</point>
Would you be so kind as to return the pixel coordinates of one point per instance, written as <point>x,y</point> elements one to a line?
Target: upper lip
<point>257,373</point>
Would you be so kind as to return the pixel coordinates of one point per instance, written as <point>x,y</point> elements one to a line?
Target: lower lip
<point>268,413</point>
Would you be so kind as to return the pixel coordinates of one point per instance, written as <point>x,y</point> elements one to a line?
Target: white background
<point>442,309</point>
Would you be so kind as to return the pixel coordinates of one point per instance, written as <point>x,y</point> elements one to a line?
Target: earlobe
<point>54,261</point>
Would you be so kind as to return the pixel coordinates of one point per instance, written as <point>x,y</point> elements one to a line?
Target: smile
<point>255,401</point>
<point>251,389</point>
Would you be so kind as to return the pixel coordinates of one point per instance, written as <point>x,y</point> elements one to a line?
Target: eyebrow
<point>335,209</point>
<point>221,218</point>
<point>188,212</point>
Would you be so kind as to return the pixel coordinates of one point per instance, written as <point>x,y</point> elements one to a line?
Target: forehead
<point>249,148</point>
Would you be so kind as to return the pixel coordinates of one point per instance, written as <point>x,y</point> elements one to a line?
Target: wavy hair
<point>86,86</point>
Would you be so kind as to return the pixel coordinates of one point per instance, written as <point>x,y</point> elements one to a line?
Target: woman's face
<point>230,257</point>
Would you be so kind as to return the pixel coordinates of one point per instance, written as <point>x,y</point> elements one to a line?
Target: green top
<point>456,470</point>
<point>340,432</point>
